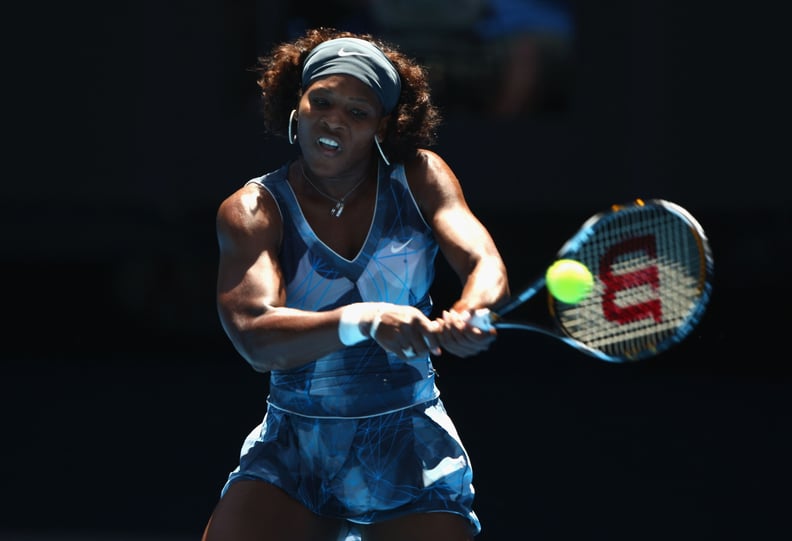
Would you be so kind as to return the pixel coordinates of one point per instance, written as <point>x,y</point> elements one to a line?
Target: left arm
<point>467,246</point>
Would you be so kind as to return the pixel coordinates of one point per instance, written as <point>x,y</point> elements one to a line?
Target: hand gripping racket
<point>652,268</point>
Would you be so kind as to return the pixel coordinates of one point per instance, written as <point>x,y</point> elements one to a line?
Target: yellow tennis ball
<point>569,281</point>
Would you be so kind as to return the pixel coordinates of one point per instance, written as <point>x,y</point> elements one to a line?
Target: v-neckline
<point>352,267</point>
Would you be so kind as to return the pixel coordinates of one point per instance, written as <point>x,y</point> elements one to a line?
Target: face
<point>338,118</point>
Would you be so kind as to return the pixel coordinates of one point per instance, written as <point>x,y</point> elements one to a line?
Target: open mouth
<point>328,144</point>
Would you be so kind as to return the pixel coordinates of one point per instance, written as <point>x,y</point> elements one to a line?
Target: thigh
<point>439,526</point>
<point>258,511</point>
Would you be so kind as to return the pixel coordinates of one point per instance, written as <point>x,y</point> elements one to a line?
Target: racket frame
<point>494,318</point>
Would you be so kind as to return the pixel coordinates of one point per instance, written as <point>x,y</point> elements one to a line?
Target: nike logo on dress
<point>399,247</point>
<point>342,52</point>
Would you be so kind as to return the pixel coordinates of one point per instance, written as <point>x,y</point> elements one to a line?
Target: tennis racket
<point>652,268</point>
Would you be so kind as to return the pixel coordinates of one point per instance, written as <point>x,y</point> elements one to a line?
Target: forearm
<point>486,285</point>
<point>282,338</point>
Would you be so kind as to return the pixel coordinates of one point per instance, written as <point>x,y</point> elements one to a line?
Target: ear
<point>382,128</point>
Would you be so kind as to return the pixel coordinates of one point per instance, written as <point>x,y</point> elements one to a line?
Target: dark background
<point>124,405</point>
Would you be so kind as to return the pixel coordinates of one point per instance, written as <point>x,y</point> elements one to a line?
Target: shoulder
<point>422,160</point>
<point>427,166</point>
<point>247,210</point>
<point>432,181</point>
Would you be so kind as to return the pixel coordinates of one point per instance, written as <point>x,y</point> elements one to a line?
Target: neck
<point>335,187</point>
<point>340,201</point>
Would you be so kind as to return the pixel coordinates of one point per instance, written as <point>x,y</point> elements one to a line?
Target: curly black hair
<point>414,121</point>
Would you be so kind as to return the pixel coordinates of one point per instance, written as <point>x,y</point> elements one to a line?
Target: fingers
<point>408,352</point>
<point>406,332</point>
<point>421,341</point>
<point>461,338</point>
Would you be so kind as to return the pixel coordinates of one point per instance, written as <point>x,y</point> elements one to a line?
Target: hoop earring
<point>292,138</point>
<point>377,144</point>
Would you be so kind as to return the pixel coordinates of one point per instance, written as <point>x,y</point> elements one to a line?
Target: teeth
<point>328,142</point>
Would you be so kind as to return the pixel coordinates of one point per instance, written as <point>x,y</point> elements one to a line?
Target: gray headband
<point>358,58</point>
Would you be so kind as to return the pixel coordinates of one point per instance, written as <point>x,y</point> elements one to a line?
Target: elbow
<point>261,356</point>
<point>264,352</point>
<point>253,344</point>
<point>256,364</point>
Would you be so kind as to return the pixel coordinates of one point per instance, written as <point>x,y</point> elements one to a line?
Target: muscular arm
<point>464,241</point>
<point>251,296</point>
<point>250,289</point>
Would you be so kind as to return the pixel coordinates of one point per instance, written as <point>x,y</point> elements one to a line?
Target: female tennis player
<point>324,275</point>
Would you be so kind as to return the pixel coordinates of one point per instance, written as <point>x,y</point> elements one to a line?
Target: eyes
<point>320,102</point>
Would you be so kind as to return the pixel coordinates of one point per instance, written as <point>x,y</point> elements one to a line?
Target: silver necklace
<point>339,203</point>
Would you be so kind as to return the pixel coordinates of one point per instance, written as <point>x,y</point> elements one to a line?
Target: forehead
<point>347,85</point>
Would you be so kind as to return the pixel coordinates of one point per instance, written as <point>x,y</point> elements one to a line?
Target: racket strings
<point>649,282</point>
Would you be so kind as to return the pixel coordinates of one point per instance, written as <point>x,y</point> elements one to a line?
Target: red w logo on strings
<point>614,283</point>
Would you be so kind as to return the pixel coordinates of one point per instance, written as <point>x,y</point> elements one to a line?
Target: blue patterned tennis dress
<point>359,434</point>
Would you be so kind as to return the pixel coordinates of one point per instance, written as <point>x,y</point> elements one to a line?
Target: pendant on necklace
<point>337,210</point>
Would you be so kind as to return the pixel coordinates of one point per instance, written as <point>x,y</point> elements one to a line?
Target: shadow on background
<point>124,405</point>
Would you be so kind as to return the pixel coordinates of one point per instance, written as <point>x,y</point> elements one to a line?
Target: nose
<point>332,119</point>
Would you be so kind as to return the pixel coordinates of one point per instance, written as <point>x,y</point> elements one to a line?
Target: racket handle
<point>481,318</point>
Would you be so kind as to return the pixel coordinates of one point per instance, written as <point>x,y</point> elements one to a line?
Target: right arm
<point>251,295</point>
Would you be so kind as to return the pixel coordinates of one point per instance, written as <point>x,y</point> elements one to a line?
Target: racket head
<point>652,266</point>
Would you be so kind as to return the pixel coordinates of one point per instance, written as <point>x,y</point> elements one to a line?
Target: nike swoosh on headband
<point>342,52</point>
